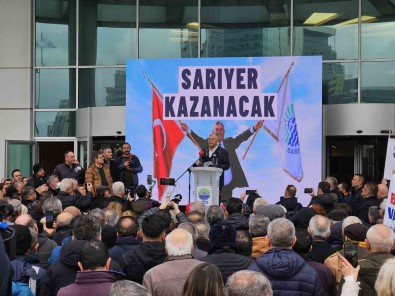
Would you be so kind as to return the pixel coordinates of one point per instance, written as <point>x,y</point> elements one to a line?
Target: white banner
<point>389,216</point>
<point>389,159</point>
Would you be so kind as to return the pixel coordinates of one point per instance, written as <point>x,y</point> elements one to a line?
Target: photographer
<point>324,198</point>
<point>129,166</point>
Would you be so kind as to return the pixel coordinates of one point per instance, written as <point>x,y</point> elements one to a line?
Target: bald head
<point>379,238</point>
<point>64,219</point>
<point>179,242</point>
<point>26,220</point>
<point>383,191</point>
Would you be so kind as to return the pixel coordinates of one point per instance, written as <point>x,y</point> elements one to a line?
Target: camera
<point>308,190</point>
<point>167,181</point>
<point>250,192</point>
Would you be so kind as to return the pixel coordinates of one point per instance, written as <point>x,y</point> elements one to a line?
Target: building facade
<point>62,68</point>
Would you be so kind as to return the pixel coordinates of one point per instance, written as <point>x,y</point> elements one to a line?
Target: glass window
<point>378,29</point>
<point>168,29</point>
<point>55,88</point>
<point>55,32</point>
<point>102,87</point>
<point>377,82</point>
<point>244,28</point>
<point>19,156</point>
<point>326,28</point>
<point>107,32</point>
<point>55,124</point>
<point>339,83</point>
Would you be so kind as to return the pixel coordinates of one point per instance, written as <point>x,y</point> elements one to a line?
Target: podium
<point>207,184</point>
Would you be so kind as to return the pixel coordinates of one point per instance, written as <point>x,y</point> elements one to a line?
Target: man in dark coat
<point>234,177</point>
<point>150,253</point>
<point>70,168</point>
<point>95,277</point>
<point>107,152</point>
<point>67,197</point>
<point>223,251</point>
<point>129,167</point>
<point>286,270</point>
<point>236,218</point>
<point>369,199</point>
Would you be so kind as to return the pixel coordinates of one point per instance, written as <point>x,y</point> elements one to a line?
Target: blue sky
<point>262,165</point>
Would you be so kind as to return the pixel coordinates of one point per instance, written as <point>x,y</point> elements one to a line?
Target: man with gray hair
<point>118,191</point>
<point>202,235</point>
<point>258,229</point>
<point>190,227</point>
<point>214,214</point>
<point>169,277</point>
<point>320,229</point>
<point>125,287</point>
<point>248,283</point>
<point>198,206</point>
<point>285,269</point>
<point>68,198</point>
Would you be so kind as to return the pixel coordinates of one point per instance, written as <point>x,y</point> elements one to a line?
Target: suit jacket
<point>231,144</point>
<point>219,159</point>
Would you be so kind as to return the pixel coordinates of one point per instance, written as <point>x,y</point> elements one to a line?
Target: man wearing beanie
<point>24,265</point>
<point>223,252</point>
<point>38,174</point>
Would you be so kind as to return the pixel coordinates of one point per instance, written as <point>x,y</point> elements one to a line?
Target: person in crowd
<point>206,280</point>
<point>150,253</point>
<point>195,217</point>
<point>332,181</point>
<point>233,177</point>
<point>320,229</point>
<point>223,252</point>
<point>7,182</point>
<point>144,202</point>
<point>324,198</point>
<point>382,192</point>
<point>258,225</point>
<point>108,159</point>
<point>379,242</point>
<point>248,283</point>
<point>63,271</point>
<point>95,277</point>
<point>344,188</point>
<point>202,235</point>
<point>374,215</point>
<point>19,186</point>
<point>190,227</point>
<point>127,228</point>
<point>6,271</point>
<point>271,211</point>
<point>169,277</point>
<point>285,269</point>
<point>243,243</point>
<point>214,214</point>
<point>357,183</point>
<point>369,199</point>
<point>234,214</point>
<point>385,283</point>
<point>98,173</point>
<point>289,201</point>
<point>67,197</point>
<point>119,196</point>
<point>25,264</point>
<point>63,229</point>
<point>198,206</point>
<point>129,167</point>
<point>70,168</point>
<point>28,197</point>
<point>112,213</point>
<point>40,186</point>
<point>53,184</point>
<point>259,202</point>
<point>16,176</point>
<point>125,287</point>
<point>38,174</point>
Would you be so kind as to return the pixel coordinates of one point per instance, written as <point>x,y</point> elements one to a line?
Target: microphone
<point>149,179</point>
<point>4,226</point>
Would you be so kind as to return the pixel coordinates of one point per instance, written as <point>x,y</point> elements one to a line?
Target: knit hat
<point>23,239</point>
<point>270,211</point>
<point>73,211</point>
<point>108,235</point>
<point>36,168</point>
<point>356,232</point>
<point>38,183</point>
<point>222,234</point>
<point>337,215</point>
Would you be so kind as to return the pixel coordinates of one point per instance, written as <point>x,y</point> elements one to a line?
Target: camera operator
<point>144,202</point>
<point>129,166</point>
<point>324,198</point>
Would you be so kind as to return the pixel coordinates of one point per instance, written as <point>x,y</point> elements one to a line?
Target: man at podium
<point>215,156</point>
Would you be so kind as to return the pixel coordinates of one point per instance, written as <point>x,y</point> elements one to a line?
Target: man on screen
<point>215,156</point>
<point>233,177</point>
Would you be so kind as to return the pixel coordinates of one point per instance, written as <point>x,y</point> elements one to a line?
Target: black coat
<point>123,245</point>
<point>365,204</point>
<point>83,203</point>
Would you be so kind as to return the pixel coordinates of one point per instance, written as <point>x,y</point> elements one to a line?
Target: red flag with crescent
<point>167,135</point>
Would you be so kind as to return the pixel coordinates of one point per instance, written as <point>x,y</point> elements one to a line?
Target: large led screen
<point>268,111</point>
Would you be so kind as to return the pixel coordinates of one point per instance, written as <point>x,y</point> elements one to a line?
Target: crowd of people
<point>98,232</point>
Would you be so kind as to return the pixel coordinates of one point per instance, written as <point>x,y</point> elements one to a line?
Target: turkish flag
<point>167,135</point>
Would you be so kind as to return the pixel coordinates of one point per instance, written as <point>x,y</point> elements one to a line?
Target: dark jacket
<point>137,168</point>
<point>114,172</point>
<point>239,221</point>
<point>100,203</point>
<point>203,244</point>
<point>325,200</point>
<point>63,272</point>
<point>364,206</point>
<point>123,245</point>
<point>356,198</point>
<point>123,202</point>
<point>326,277</point>
<point>136,262</point>
<point>6,271</point>
<point>320,250</point>
<point>44,251</point>
<point>27,266</point>
<point>339,194</point>
<point>83,203</point>
<point>74,171</point>
<point>302,217</point>
<point>290,203</point>
<point>96,283</point>
<point>227,261</point>
<point>288,273</point>
<point>61,233</point>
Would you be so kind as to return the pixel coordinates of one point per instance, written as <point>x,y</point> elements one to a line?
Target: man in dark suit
<point>234,177</point>
<point>215,156</point>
